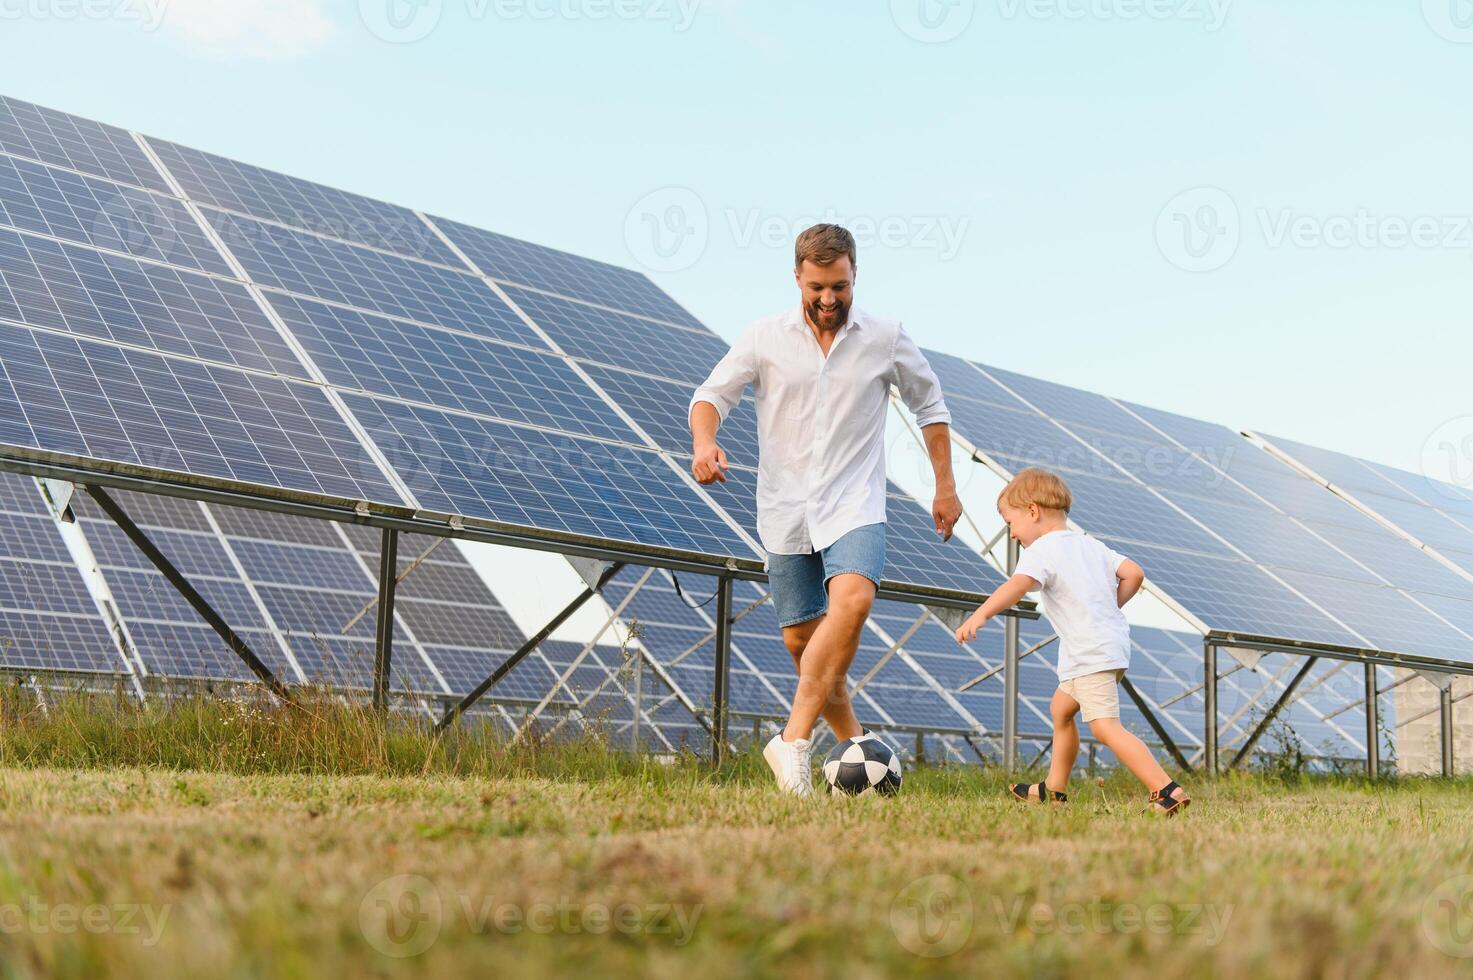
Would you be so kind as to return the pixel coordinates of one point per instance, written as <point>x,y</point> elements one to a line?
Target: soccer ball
<point>862,765</point>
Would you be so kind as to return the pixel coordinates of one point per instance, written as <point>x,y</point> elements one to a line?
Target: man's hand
<point>709,464</point>
<point>946,511</point>
<point>967,631</point>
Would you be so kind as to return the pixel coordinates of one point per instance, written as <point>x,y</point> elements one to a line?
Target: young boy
<point>1084,586</point>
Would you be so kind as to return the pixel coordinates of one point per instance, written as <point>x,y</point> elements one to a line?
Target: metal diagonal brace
<point>994,671</point>
<point>1155,723</point>
<point>526,649</point>
<point>1273,712</point>
<point>191,595</point>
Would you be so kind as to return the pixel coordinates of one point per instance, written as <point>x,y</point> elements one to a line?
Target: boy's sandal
<point>1022,791</point>
<point>1171,798</point>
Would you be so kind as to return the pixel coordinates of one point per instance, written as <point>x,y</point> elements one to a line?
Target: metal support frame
<point>1373,724</point>
<point>181,584</point>
<point>1155,723</point>
<point>526,649</point>
<point>383,653</point>
<point>721,670</point>
<point>1285,697</point>
<point>1209,709</point>
<point>1010,676</point>
<point>1445,704</point>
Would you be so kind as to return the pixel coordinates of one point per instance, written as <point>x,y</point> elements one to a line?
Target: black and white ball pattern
<point>862,765</point>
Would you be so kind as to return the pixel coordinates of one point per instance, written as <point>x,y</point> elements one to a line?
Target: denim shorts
<point>800,583</point>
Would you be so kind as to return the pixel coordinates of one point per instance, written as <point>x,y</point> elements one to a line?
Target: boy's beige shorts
<point>1098,694</point>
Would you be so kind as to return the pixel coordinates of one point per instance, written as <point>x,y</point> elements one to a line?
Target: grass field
<point>233,841</point>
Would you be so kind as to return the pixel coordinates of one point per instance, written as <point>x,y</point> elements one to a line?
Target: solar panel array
<point>1245,544</point>
<point>168,309</point>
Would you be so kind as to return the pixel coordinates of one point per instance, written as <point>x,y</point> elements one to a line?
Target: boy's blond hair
<point>1037,486</point>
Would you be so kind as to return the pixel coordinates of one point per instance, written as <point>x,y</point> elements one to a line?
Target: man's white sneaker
<point>790,764</point>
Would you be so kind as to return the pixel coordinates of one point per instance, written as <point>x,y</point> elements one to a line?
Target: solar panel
<point>69,206</point>
<point>621,340</point>
<point>48,619</point>
<point>81,291</point>
<point>1430,511</point>
<point>59,394</point>
<point>363,352</point>
<point>513,261</point>
<point>232,186</point>
<point>476,467</point>
<point>298,262</point>
<point>69,141</point>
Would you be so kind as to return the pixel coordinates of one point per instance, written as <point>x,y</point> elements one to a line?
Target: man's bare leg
<point>826,658</point>
<point>837,711</point>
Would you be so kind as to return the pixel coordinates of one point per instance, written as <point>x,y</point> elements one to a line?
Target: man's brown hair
<point>1037,486</point>
<point>824,245</point>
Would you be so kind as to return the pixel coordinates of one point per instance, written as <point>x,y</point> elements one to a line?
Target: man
<point>821,375</point>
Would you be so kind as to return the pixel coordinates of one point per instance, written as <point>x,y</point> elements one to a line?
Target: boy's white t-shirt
<point>1079,588</point>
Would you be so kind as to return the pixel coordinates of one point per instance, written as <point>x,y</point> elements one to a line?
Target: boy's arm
<point>1131,577</point>
<point>1006,596</point>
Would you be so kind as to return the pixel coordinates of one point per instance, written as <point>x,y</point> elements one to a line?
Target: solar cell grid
<point>298,262</point>
<point>608,337</point>
<point>83,398</point>
<point>512,260</point>
<point>490,470</point>
<point>62,204</point>
<point>69,141</point>
<point>359,351</point>
<point>234,186</point>
<point>44,283</point>
<point>72,642</point>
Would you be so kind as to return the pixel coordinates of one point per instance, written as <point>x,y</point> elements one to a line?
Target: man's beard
<point>833,321</point>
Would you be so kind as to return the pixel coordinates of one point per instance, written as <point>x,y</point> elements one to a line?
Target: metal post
<point>191,595</point>
<point>721,674</point>
<point>522,652</point>
<point>920,748</point>
<point>1010,676</point>
<point>1373,725</point>
<point>383,658</point>
<point>1209,698</point>
<point>1284,699</point>
<point>1446,698</point>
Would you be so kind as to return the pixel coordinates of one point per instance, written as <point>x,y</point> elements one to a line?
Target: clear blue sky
<point>1024,177</point>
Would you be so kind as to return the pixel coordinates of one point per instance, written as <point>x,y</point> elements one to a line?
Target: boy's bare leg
<point>1066,741</point>
<point>1131,751</point>
<point>838,711</point>
<point>830,651</point>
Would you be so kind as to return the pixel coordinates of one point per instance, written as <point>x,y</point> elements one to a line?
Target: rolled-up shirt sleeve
<point>919,387</point>
<point>723,388</point>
